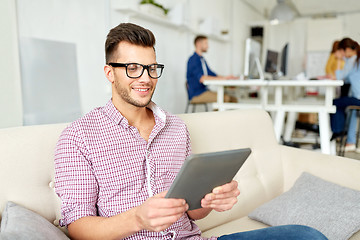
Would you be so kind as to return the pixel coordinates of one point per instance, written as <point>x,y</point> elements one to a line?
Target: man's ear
<point>109,73</point>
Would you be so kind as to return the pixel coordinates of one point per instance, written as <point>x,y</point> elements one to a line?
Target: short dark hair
<point>130,33</point>
<point>199,38</point>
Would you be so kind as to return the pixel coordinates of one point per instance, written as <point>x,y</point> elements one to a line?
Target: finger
<point>222,208</point>
<point>219,205</point>
<point>163,212</point>
<point>179,201</point>
<point>161,224</point>
<point>212,196</point>
<point>218,202</point>
<point>170,203</point>
<point>160,195</point>
<point>159,201</point>
<point>233,193</point>
<point>228,187</point>
<point>221,197</point>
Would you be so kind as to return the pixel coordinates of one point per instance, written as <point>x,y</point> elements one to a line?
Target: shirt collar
<point>199,56</point>
<point>111,111</point>
<point>351,59</point>
<point>157,111</point>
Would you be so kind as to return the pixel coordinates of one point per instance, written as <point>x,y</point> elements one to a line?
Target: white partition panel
<point>49,81</point>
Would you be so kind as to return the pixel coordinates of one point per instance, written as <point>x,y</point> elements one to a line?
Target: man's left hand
<point>222,198</point>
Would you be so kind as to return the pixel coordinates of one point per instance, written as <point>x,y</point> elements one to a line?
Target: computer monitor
<point>252,58</point>
<point>284,59</point>
<point>271,64</point>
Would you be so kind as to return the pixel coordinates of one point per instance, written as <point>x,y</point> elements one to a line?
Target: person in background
<point>198,71</point>
<point>349,57</point>
<point>351,74</point>
<point>114,165</point>
<point>332,62</point>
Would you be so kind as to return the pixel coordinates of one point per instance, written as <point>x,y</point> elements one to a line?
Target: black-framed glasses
<point>136,70</point>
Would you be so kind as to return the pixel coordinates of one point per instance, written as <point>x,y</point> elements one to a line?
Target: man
<point>198,71</point>
<point>114,165</point>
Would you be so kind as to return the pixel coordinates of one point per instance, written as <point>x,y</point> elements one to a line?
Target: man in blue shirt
<point>198,71</point>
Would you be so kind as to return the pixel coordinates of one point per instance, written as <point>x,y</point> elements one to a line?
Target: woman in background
<point>332,63</point>
<point>350,73</point>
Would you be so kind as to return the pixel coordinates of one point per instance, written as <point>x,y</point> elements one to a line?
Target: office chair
<point>189,102</point>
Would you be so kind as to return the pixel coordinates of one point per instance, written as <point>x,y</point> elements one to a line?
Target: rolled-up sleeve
<point>75,182</point>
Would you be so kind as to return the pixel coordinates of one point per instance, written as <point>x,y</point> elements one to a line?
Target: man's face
<point>136,92</point>
<point>204,45</point>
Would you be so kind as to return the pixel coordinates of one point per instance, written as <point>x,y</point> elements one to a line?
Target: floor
<point>353,155</point>
<point>307,140</point>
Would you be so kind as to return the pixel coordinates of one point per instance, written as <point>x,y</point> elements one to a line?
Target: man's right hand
<point>158,213</point>
<point>155,214</point>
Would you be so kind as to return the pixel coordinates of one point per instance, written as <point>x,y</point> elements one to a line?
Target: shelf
<point>164,21</point>
<point>151,17</point>
<point>216,37</point>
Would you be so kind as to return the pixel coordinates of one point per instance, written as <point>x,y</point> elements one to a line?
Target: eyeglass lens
<point>136,70</point>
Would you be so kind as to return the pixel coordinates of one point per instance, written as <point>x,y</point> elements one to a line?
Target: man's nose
<point>145,77</point>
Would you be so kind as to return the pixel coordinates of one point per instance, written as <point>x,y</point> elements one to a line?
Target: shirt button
<point>56,222</point>
<point>51,184</point>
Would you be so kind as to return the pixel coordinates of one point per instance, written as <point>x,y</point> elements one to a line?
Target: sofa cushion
<point>330,208</point>
<point>20,223</point>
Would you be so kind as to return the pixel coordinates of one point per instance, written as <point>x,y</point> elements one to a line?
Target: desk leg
<point>290,125</point>
<point>264,96</point>
<point>324,128</point>
<point>280,114</point>
<point>333,148</point>
<point>279,123</point>
<point>220,98</point>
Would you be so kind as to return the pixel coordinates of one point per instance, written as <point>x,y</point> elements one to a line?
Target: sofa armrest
<point>339,170</point>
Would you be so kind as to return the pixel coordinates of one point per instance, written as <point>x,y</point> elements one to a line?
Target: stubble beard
<point>123,93</point>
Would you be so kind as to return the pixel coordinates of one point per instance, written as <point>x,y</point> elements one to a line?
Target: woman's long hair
<point>335,46</point>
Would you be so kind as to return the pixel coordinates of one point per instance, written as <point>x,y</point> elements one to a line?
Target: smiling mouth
<point>141,89</point>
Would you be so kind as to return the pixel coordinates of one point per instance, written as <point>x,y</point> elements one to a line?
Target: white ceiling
<point>305,8</point>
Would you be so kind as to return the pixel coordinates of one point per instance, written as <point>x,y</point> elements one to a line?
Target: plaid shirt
<point>103,167</point>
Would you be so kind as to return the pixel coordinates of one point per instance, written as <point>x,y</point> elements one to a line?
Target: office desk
<point>289,104</point>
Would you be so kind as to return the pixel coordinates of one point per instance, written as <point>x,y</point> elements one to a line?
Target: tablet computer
<point>201,173</point>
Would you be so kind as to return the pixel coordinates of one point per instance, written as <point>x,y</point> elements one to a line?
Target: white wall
<point>10,86</point>
<point>86,23</point>
<point>321,33</point>
<point>351,25</point>
<point>81,22</point>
